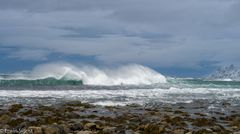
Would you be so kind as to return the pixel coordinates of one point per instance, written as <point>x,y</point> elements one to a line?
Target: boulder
<point>5,118</point>
<point>200,122</point>
<point>15,108</point>
<point>54,129</point>
<point>91,126</point>
<point>153,129</point>
<point>84,132</point>
<point>76,126</point>
<point>35,130</point>
<point>109,130</point>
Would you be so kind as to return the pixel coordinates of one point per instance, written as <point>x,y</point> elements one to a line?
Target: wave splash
<point>227,73</point>
<point>89,75</point>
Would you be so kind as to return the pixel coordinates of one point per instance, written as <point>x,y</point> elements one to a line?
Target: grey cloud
<point>154,32</point>
<point>29,54</point>
<point>46,5</point>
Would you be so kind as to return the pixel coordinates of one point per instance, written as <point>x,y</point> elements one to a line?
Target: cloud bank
<point>158,33</point>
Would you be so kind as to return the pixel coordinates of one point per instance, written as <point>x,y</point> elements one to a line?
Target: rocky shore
<point>83,118</point>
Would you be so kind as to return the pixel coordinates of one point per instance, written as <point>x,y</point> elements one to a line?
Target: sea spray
<point>133,74</point>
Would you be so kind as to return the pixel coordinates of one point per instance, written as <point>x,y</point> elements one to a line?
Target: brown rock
<point>236,122</point>
<point>27,112</point>
<point>220,129</point>
<point>51,119</point>
<point>76,126</point>
<point>189,132</point>
<point>35,130</point>
<point>176,121</point>
<point>204,131</point>
<point>5,119</point>
<point>153,129</point>
<point>53,129</point>
<point>203,122</point>
<point>15,122</point>
<point>91,126</point>
<point>84,132</point>
<point>15,108</point>
<point>109,130</point>
<point>178,131</point>
<point>65,128</point>
<point>200,114</point>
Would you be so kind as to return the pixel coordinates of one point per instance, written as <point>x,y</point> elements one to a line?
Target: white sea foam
<point>123,97</point>
<point>124,75</point>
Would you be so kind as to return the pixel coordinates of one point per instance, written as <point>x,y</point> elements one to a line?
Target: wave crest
<point>128,75</point>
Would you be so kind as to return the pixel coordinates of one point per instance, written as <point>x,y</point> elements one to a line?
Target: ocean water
<point>56,83</point>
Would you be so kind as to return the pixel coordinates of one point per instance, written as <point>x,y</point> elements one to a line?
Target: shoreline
<point>76,117</point>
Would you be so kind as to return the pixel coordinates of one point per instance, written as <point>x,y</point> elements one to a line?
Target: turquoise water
<point>171,82</point>
<point>202,83</point>
<point>38,82</point>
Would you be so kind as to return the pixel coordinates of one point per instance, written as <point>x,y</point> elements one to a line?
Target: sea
<point>51,84</point>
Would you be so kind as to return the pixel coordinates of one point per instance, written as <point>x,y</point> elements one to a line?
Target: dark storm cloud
<point>160,33</point>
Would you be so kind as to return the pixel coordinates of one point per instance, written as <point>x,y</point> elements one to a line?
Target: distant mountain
<point>226,73</point>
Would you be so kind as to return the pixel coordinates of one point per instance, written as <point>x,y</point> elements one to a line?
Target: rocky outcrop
<point>81,118</point>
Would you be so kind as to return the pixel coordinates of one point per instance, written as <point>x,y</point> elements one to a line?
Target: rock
<point>15,122</point>
<point>53,129</point>
<point>153,129</point>
<point>35,130</point>
<point>71,115</point>
<point>176,121</point>
<point>5,119</point>
<point>137,132</point>
<point>129,132</point>
<point>84,132</point>
<point>181,107</point>
<point>234,127</point>
<point>200,114</point>
<point>206,131</point>
<point>65,128</point>
<point>91,126</point>
<point>69,109</point>
<point>236,122</point>
<point>178,112</point>
<point>109,130</point>
<point>219,129</point>
<point>76,126</point>
<point>181,113</point>
<point>200,122</point>
<point>5,127</point>
<point>27,112</point>
<point>189,132</point>
<point>51,119</point>
<point>178,131</point>
<point>15,108</point>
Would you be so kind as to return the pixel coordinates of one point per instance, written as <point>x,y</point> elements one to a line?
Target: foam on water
<point>125,75</point>
<point>111,96</point>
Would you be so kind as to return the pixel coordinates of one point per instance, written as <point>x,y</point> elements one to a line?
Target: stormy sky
<point>181,37</point>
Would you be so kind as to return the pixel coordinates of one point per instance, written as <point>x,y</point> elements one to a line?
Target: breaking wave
<point>64,73</point>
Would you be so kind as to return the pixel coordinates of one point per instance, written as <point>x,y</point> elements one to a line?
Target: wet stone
<point>15,108</point>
